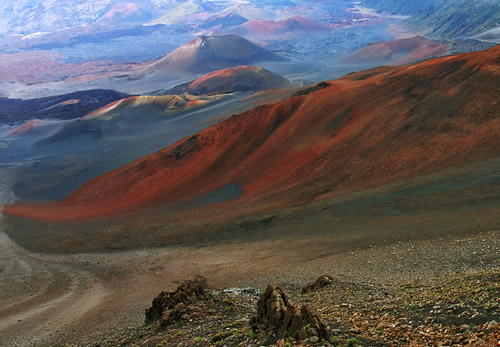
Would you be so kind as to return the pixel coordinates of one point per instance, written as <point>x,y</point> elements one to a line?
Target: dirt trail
<point>38,297</point>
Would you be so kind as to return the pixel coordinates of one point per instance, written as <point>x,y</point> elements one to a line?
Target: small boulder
<point>276,311</point>
<point>321,282</point>
<point>464,328</point>
<point>492,325</point>
<point>314,339</point>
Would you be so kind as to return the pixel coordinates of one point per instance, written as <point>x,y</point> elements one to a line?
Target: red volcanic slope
<point>24,128</point>
<point>241,78</point>
<point>401,51</point>
<point>360,131</point>
<point>124,12</point>
<point>167,103</point>
<point>261,28</point>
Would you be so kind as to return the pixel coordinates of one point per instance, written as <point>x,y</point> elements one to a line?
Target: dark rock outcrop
<point>321,282</point>
<point>309,90</point>
<point>169,307</point>
<point>66,106</point>
<point>276,311</point>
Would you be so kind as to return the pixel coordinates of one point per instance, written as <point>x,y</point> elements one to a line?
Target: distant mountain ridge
<point>28,17</point>
<point>444,18</point>
<point>223,21</point>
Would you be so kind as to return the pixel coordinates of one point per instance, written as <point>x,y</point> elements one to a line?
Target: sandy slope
<point>39,296</point>
<point>400,51</point>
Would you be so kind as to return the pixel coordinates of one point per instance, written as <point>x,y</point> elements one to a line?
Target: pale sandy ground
<point>52,300</point>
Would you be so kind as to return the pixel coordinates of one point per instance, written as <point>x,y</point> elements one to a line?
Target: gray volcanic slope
<point>209,53</point>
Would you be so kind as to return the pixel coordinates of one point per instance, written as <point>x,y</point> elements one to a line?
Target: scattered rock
<point>314,339</point>
<point>464,327</point>
<point>232,340</point>
<point>492,325</point>
<point>321,282</point>
<point>276,311</point>
<point>240,291</point>
<point>221,336</point>
<point>169,307</point>
<point>247,330</point>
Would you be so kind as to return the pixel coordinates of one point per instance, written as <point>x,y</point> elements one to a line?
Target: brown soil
<point>401,51</point>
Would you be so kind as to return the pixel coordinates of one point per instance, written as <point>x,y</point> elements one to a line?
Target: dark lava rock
<point>321,282</point>
<point>275,311</point>
<point>15,111</point>
<point>319,86</point>
<point>169,307</point>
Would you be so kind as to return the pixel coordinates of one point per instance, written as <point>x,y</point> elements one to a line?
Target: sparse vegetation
<point>423,313</point>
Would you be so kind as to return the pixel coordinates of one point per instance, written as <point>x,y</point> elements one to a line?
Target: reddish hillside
<point>269,29</point>
<point>234,79</point>
<point>33,126</point>
<point>167,104</point>
<point>360,131</point>
<point>400,51</point>
<point>124,12</point>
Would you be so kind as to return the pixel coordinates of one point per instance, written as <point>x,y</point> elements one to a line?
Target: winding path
<point>40,296</point>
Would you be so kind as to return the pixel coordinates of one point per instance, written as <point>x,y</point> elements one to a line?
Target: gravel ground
<point>443,292</point>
